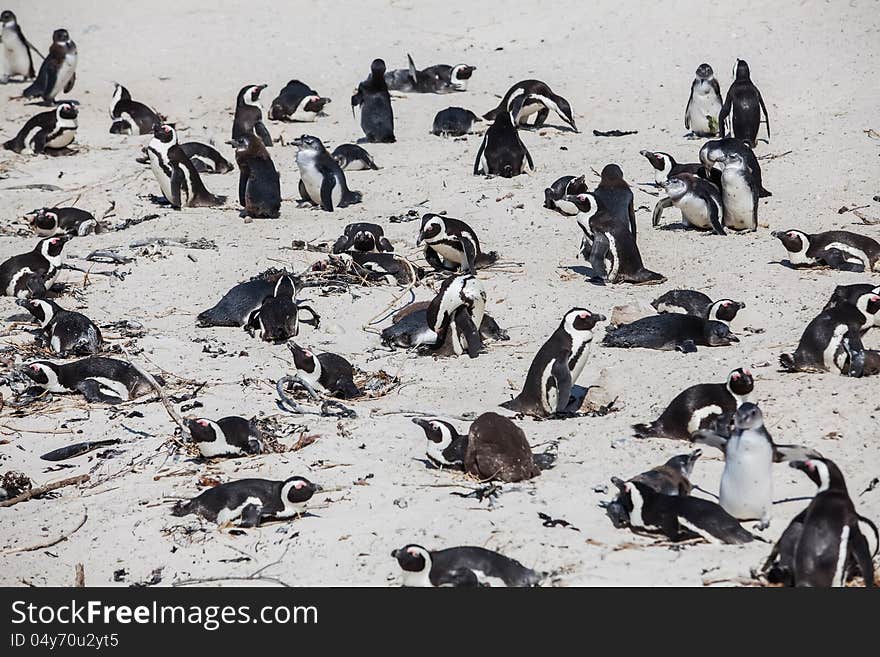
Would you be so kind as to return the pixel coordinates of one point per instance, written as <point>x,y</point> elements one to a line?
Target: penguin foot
<point>686,347</point>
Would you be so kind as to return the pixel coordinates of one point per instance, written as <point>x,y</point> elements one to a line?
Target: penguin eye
<point>202,423</point>
<point>583,315</point>
<point>413,552</point>
<point>307,353</point>
<point>35,368</point>
<point>299,484</point>
<point>735,375</point>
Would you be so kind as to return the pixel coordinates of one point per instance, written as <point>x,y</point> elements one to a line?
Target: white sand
<point>620,67</point>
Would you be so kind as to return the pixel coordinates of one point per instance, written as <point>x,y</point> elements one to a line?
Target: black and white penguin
<point>277,318</point>
<point>239,305</point>
<point>745,102</point>
<point>99,379</point>
<point>174,171</point>
<point>464,566</point>
<point>446,447</point>
<point>698,200</point>
<point>851,294</point>
<point>453,122</point>
<point>380,267</point>
<point>206,158</point>
<point>704,103</point>
<point>557,366</point>
<point>740,192</point>
<point>32,274</point>
<point>832,340</point>
<point>498,449</point>
<point>250,500</point>
<point>410,328</point>
<point>352,157</point>
<point>840,249</point>
<point>130,117</point>
<point>364,237</point>
<point>452,245</point>
<point>692,302</point>
<point>455,315</point>
<point>562,195</point>
<point>712,152</point>
<point>695,407</point>
<point>746,490</point>
<point>228,436</point>
<point>502,152</point>
<point>67,333</point>
<point>828,543</point>
<point>52,130</point>
<point>15,51</point>
<point>248,118</point>
<point>679,517</point>
<point>57,72</point>
<point>49,222</point>
<point>669,331</point>
<point>259,186</point>
<point>438,79</point>
<point>322,181</point>
<point>377,115</point>
<point>616,196</point>
<point>297,101</point>
<point>529,97</point>
<point>328,373</point>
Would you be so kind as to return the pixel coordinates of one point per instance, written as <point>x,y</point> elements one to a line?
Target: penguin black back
<point>377,115</point>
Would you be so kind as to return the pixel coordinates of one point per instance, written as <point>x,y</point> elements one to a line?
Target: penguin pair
<point>259,185</point>
<point>46,132</point>
<point>50,222</point>
<point>494,448</point>
<point>744,104</point>
<point>697,304</point>
<point>438,79</point>
<point>668,332</point>
<point>697,406</point>
<point>704,103</point>
<point>840,249</point>
<point>129,117</point>
<point>410,328</point>
<point>177,176</point>
<point>452,245</point>
<point>67,333</point>
<point>564,195</point>
<point>322,181</point>
<point>464,566</point>
<point>228,436</point>
<point>33,274</point>
<point>714,151</point>
<point>377,116</point>
<point>98,379</point>
<point>852,294</point>
<point>698,200</point>
<point>327,373</point>
<point>250,501</point>
<point>827,543</point>
<point>557,366</point>
<point>297,101</point>
<point>363,237</point>
<point>455,316</point>
<point>58,71</point>
<point>248,119</point>
<point>15,55</point>
<point>532,97</point>
<point>502,152</point>
<point>740,181</point>
<point>453,122</point>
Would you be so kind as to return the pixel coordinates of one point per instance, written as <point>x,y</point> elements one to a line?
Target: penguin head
<point>705,72</point>
<point>413,558</point>
<point>165,133</point>
<point>661,161</point>
<point>7,18</point>
<point>66,111</point>
<point>377,69</point>
<point>823,472</point>
<point>718,334</point>
<point>250,95</point>
<point>51,246</point>
<point>432,226</point>
<point>203,430</point>
<point>43,373</point>
<point>44,219</point>
<point>459,76</point>
<point>303,359</point>
<point>297,490</point>
<point>725,310</point>
<point>565,110</point>
<point>42,310</point>
<point>869,304</point>
<point>684,463</point>
<point>611,175</point>
<point>676,186</point>
<point>308,143</point>
<point>740,382</point>
<point>60,36</point>
<point>741,70</point>
<point>364,240</point>
<point>120,93</point>
<point>581,319</point>
<point>748,416</point>
<point>440,435</point>
<point>794,241</point>
<point>625,510</point>
<point>731,160</point>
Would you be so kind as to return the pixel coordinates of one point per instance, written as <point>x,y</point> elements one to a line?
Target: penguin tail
<point>646,277</point>
<point>548,199</point>
<point>485,259</point>
<point>512,404</point>
<point>12,145</point>
<point>355,197</point>
<point>159,379</point>
<point>764,193</point>
<point>645,430</point>
<point>182,508</point>
<point>787,361</point>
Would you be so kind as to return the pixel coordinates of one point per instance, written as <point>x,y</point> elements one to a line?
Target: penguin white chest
<point>159,172</point>
<point>747,482</point>
<point>65,72</point>
<point>448,252</point>
<point>704,103</point>
<point>694,211</point>
<point>739,212</point>
<point>15,55</point>
<point>313,179</point>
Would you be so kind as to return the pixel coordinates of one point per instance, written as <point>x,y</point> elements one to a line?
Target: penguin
<point>52,130</point>
<point>228,436</point>
<point>249,501</point>
<point>679,517</point>
<point>746,490</point>
<point>32,274</point>
<point>827,543</point>
<point>67,333</point>
<point>99,379</point>
<point>259,186</point>
<point>446,447</point>
<point>695,407</point>
<point>670,331</point>
<point>410,328</point>
<point>456,313</point>
<point>745,102</point>
<point>704,103</point>
<point>851,294</point>
<point>57,72</point>
<point>562,195</point>
<point>665,166</point>
<point>248,118</point>
<point>277,318</point>
<point>616,197</point>
<point>130,117</point>
<point>533,97</point>
<point>322,181</point>
<point>464,566</point>
<point>377,115</point>
<point>174,171</point>
<point>297,101</point>
<point>498,449</point>
<point>740,192</point>
<point>238,306</point>
<point>452,78</point>
<point>840,249</point>
<point>832,340</point>
<point>364,237</point>
<point>206,158</point>
<point>698,200</point>
<point>352,157</point>
<point>15,50</point>
<point>382,267</point>
<point>712,152</point>
<point>557,366</point>
<point>325,372</point>
<point>452,245</point>
<point>502,152</point>
<point>453,122</point>
<point>49,222</point>
<point>438,79</point>
<point>691,302</point>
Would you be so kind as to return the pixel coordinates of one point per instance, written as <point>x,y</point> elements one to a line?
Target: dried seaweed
<point>15,483</point>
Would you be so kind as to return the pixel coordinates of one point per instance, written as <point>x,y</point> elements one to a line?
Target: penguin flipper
<point>723,114</point>
<point>327,185</point>
<point>687,109</point>
<point>385,245</point>
<point>859,550</point>
<point>413,72</point>
<point>541,117</point>
<point>478,163</point>
<point>178,182</point>
<point>92,391</point>
<point>469,266</point>
<point>72,81</point>
<point>710,438</point>
<point>250,515</point>
<point>41,85</point>
<point>263,133</point>
<point>840,260</point>
<point>662,204</point>
<point>715,219</point>
<point>434,259</point>
<point>764,109</point>
<point>344,243</point>
<point>599,250</point>
<point>562,374</point>
<point>784,453</point>
<point>467,329</point>
<point>529,158</point>
<point>38,143</point>
<point>242,183</point>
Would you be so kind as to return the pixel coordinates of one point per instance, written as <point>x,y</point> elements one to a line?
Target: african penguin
<point>67,333</point>
<point>322,181</point>
<point>497,449</point>
<point>670,331</point>
<point>745,102</point>
<point>97,378</point>
<point>616,197</point>
<point>325,372</point>
<point>277,317</point>
<point>692,302</point>
<point>32,274</point>
<point>453,122</point>
<point>452,245</point>
<point>297,101</point>
<point>455,315</point>
<point>206,158</point>
<point>352,157</point>
<point>446,446</point>
<point>704,103</point>
<point>174,171</point>
<point>377,115</point>
<point>129,117</point>
<point>529,97</point>
<point>462,566</point>
<point>698,200</point>
<point>502,152</point>
<point>259,186</point>
<point>410,328</point>
<point>228,436</point>
<point>364,237</point>
<point>851,294</point>
<point>52,130</point>
<point>438,79</point>
<point>562,195</point>
<point>712,152</point>
<point>49,222</point>
<point>248,118</point>
<point>740,191</point>
<point>15,51</point>
<point>57,72</point>
<point>840,249</point>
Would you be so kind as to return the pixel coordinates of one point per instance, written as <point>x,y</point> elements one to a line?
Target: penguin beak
<point>777,234</point>
<point>394,553</point>
<point>422,423</point>
<point>599,318</point>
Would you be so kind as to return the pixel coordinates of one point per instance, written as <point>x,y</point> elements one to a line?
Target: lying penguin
<point>532,97</point>
<point>228,436</point>
<point>563,195</point>
<point>453,122</point>
<point>502,152</point>
<point>670,331</point>
<point>325,373</point>
<point>839,249</point>
<point>50,222</point>
<point>692,302</point>
<point>98,379</point>
<point>464,566</point>
<point>297,101</point>
<point>352,157</point>
<point>129,117</point>
<point>250,501</point>
<point>452,245</point>
<point>67,333</point>
<point>364,237</point>
<point>47,132</point>
<point>32,274</point>
<point>438,79</point>
<point>851,294</point>
<point>410,328</point>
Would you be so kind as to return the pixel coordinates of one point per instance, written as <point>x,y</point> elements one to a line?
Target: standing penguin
<point>699,201</point>
<point>130,117</point>
<point>377,116</point>
<point>712,152</point>
<point>450,244</point>
<point>498,449</point>
<point>322,181</point>
<point>455,315</point>
<point>52,130</point>
<point>174,171</point>
<point>259,186</point>
<point>67,333</point>
<point>557,366</point>
<point>616,196</point>
<point>704,103</point>
<point>32,274</point>
<point>249,114</point>
<point>15,50</point>
<point>746,103</point>
<point>502,152</point>
<point>740,191</point>
<point>58,71</point>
